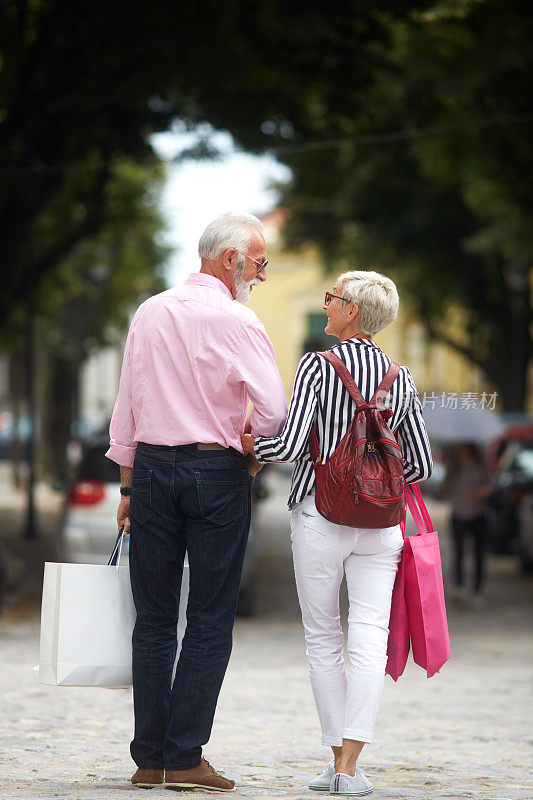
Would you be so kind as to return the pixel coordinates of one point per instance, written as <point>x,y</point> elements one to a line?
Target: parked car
<point>87,530</point>
<point>513,486</point>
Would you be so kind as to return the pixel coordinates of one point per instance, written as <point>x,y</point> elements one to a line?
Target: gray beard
<point>243,289</point>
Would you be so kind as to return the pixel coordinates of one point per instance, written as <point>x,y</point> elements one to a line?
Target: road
<point>466,733</point>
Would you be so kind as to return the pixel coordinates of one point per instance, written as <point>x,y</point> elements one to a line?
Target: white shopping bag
<point>87,620</point>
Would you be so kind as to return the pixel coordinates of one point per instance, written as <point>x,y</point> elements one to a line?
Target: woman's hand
<point>247,442</point>
<point>251,461</point>
<point>253,465</point>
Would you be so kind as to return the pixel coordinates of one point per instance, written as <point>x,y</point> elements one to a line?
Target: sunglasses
<point>260,265</point>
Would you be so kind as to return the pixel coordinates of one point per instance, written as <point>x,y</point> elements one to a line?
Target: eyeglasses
<point>329,297</point>
<point>261,265</point>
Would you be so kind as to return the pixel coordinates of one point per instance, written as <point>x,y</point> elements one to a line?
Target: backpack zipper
<point>359,442</point>
<point>358,494</point>
<point>351,454</point>
<point>394,443</point>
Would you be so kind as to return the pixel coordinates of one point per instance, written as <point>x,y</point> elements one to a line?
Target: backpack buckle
<point>370,447</point>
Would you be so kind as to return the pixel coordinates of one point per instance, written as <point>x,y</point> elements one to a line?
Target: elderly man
<point>194,359</point>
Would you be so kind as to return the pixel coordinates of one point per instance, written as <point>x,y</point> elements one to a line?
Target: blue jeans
<point>195,501</point>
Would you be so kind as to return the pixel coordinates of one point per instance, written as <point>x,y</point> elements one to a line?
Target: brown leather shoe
<point>148,778</point>
<point>204,776</point>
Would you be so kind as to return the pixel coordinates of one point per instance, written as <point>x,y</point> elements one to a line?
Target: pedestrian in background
<point>467,486</point>
<point>193,360</point>
<point>362,304</point>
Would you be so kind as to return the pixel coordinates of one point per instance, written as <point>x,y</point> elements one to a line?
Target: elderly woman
<point>361,304</point>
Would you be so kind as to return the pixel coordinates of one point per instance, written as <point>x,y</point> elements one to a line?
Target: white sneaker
<point>322,782</point>
<point>356,786</point>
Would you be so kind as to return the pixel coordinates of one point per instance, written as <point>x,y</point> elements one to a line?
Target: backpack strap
<point>388,379</point>
<point>342,371</point>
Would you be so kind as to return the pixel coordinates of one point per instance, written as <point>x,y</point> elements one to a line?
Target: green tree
<point>84,84</point>
<point>447,202</point>
<point>86,300</point>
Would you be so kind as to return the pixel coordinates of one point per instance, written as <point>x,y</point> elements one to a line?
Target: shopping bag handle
<point>422,506</point>
<point>417,507</point>
<point>114,560</point>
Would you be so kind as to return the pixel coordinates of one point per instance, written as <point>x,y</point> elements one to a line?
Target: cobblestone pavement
<point>465,733</point>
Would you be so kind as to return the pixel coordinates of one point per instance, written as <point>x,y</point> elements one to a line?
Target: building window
<point>316,338</point>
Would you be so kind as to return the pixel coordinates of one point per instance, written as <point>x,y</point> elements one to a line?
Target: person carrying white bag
<point>194,359</point>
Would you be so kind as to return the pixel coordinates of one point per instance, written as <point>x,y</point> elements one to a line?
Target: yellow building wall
<point>295,288</point>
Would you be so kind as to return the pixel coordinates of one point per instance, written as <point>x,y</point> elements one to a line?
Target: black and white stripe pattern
<point>320,398</point>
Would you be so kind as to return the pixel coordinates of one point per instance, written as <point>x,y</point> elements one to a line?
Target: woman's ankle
<point>345,769</point>
<point>337,754</point>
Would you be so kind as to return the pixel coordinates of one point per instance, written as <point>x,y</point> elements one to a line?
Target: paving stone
<point>466,733</point>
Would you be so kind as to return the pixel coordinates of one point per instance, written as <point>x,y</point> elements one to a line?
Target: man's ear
<point>229,259</point>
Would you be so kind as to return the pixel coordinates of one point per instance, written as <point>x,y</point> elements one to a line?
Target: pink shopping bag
<point>423,589</point>
<point>398,644</point>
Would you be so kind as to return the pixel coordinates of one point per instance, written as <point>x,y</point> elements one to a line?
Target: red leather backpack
<point>362,484</point>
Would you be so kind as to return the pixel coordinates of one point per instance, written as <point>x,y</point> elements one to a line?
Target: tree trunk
<point>31,528</point>
<point>16,391</point>
<point>60,408</point>
<point>515,394</point>
<point>507,363</point>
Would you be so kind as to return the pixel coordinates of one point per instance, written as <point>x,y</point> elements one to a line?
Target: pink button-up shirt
<point>194,358</point>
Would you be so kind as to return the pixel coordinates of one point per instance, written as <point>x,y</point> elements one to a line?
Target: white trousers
<point>322,553</point>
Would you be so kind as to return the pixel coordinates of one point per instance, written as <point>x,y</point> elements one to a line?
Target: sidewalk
<point>465,733</point>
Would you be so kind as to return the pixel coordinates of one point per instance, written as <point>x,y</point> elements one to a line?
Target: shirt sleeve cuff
<point>257,451</point>
<point>261,448</point>
<point>123,455</point>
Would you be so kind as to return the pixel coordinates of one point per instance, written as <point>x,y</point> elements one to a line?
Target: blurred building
<point>99,384</point>
<point>290,306</point>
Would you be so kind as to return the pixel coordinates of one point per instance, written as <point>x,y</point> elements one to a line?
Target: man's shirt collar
<point>203,279</point>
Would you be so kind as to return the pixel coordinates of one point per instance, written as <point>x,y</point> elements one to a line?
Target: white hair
<point>375,294</point>
<point>229,230</point>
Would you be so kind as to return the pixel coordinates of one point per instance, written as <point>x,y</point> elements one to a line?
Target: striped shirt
<point>320,398</point>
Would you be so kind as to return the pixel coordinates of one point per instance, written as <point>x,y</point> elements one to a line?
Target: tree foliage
<point>84,302</point>
<point>446,203</point>
<point>84,84</point>
<point>89,294</point>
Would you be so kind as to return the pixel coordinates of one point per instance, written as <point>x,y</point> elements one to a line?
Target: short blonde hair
<point>375,294</point>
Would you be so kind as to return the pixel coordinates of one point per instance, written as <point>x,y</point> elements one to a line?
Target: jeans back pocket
<point>221,499</point>
<point>141,496</point>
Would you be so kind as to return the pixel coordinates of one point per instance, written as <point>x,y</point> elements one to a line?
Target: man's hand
<point>123,514</point>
